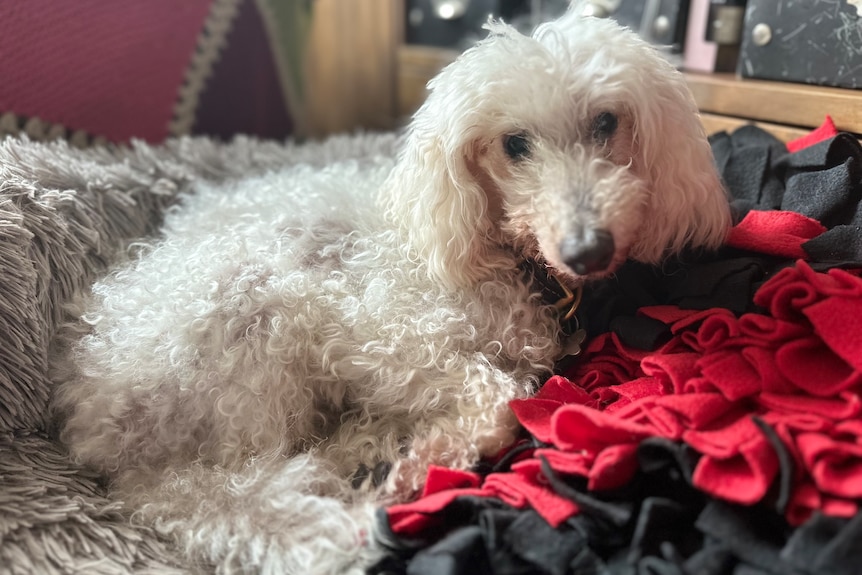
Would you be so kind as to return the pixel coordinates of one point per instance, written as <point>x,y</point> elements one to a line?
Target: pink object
<point>699,54</point>
<point>110,67</point>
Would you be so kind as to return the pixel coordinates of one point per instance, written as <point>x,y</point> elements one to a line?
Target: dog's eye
<point>516,146</point>
<point>604,126</point>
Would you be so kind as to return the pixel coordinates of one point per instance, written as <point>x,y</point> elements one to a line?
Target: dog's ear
<point>688,205</point>
<point>436,193</point>
<point>433,196</point>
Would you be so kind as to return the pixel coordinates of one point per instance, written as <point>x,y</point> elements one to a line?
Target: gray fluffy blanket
<point>65,216</point>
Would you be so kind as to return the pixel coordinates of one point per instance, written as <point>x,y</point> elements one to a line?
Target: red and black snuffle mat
<point>713,423</point>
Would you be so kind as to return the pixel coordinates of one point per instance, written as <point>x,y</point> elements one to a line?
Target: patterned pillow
<point>112,70</point>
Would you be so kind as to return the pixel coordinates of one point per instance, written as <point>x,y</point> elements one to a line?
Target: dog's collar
<point>556,294</point>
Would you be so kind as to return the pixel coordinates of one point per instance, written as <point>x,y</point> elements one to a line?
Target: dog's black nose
<point>591,252</point>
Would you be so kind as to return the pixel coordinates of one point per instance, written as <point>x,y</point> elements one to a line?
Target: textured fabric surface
<point>110,68</point>
<point>66,215</point>
<point>242,93</point>
<point>712,424</point>
<point>105,70</point>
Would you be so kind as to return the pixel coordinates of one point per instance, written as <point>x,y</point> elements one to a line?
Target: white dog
<point>289,330</point>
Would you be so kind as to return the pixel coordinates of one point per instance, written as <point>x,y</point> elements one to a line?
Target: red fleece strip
<point>824,132</point>
<point>787,232</point>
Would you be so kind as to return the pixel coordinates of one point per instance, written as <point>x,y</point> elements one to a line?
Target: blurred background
<point>96,71</point>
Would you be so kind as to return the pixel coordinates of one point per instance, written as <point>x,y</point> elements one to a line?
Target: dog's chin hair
<point>571,278</point>
<point>574,280</point>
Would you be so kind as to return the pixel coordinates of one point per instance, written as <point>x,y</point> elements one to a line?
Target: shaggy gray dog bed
<point>67,215</point>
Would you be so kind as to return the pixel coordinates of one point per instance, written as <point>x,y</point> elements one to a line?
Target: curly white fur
<point>290,329</point>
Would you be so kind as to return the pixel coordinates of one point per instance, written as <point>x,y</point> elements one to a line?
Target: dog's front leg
<point>477,423</point>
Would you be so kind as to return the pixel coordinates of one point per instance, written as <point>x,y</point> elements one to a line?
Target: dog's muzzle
<point>591,251</point>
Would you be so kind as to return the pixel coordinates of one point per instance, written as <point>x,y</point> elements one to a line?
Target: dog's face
<point>579,146</point>
<point>566,193</point>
